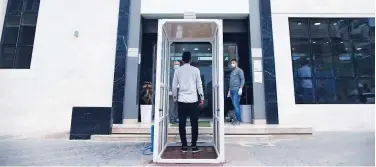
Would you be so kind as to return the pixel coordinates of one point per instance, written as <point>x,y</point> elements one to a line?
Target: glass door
<point>218,94</point>
<point>161,93</point>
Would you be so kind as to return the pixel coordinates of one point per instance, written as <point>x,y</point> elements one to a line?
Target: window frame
<point>20,29</point>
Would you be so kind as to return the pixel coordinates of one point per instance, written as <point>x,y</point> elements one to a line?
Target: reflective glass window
<point>18,34</point>
<point>333,60</point>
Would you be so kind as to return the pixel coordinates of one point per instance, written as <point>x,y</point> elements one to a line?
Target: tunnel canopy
<point>190,30</point>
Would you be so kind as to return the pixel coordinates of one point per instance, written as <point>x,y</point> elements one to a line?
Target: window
<point>18,34</point>
<point>333,60</point>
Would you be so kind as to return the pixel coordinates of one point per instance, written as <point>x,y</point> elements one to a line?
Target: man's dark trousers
<point>185,110</point>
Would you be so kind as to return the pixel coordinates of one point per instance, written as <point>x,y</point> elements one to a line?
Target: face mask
<point>176,66</point>
<point>233,65</point>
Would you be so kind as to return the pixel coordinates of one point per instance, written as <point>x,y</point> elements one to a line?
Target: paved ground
<point>336,148</point>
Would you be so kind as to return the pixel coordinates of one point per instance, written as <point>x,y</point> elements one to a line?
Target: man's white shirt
<point>188,79</point>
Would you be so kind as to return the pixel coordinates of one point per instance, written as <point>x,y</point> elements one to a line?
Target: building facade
<point>307,63</point>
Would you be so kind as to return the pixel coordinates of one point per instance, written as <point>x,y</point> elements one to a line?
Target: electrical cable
<point>147,150</point>
<point>149,147</point>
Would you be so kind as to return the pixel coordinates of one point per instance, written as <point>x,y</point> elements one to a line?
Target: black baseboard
<point>87,121</point>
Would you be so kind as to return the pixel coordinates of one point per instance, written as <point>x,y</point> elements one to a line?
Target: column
<point>132,71</point>
<point>259,115</point>
<point>270,88</point>
<point>120,62</point>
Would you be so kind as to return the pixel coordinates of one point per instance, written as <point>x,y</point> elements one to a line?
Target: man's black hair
<point>234,60</point>
<point>186,57</point>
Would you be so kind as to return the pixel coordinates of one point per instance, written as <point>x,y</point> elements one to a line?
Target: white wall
<point>3,8</point>
<point>323,6</point>
<point>202,8</point>
<point>320,117</point>
<point>65,71</point>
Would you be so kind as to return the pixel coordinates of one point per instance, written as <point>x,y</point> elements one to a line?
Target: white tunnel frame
<point>218,114</point>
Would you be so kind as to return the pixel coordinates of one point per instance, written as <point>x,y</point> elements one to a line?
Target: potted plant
<point>147,107</point>
<point>245,106</point>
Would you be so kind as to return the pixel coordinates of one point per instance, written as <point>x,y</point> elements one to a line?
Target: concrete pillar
<point>132,70</point>
<point>259,115</point>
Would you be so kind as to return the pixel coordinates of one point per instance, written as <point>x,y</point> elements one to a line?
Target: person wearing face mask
<point>236,89</point>
<point>173,105</point>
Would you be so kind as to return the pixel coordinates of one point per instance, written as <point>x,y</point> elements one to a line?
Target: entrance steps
<point>245,132</point>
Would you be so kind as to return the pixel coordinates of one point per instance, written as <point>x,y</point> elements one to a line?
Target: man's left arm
<point>242,80</point>
<point>199,85</point>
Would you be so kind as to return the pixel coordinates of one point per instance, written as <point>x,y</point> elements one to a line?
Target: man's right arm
<point>175,85</point>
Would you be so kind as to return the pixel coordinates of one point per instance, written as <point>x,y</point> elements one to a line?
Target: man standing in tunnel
<point>236,89</point>
<point>189,80</point>
<point>173,104</point>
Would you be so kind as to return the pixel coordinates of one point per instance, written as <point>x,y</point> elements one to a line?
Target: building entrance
<point>183,33</point>
<point>202,59</point>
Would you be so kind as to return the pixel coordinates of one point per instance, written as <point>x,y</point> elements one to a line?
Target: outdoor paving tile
<point>330,148</point>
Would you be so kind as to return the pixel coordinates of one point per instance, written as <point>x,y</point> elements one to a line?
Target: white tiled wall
<point>204,8</point>
<point>65,71</point>
<point>320,117</point>
<point>323,6</point>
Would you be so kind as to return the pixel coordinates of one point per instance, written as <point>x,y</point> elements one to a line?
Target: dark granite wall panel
<point>120,61</point>
<point>87,121</point>
<point>268,63</point>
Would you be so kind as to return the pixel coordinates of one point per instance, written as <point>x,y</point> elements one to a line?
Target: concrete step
<point>201,138</point>
<point>126,138</point>
<point>176,138</point>
<point>244,129</point>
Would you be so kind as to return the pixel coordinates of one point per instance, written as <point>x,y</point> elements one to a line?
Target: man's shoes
<point>235,122</point>
<point>195,149</point>
<point>184,149</point>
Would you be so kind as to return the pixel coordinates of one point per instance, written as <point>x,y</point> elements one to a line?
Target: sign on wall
<point>132,52</point>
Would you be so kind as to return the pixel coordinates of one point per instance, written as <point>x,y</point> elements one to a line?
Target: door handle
<point>215,86</point>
